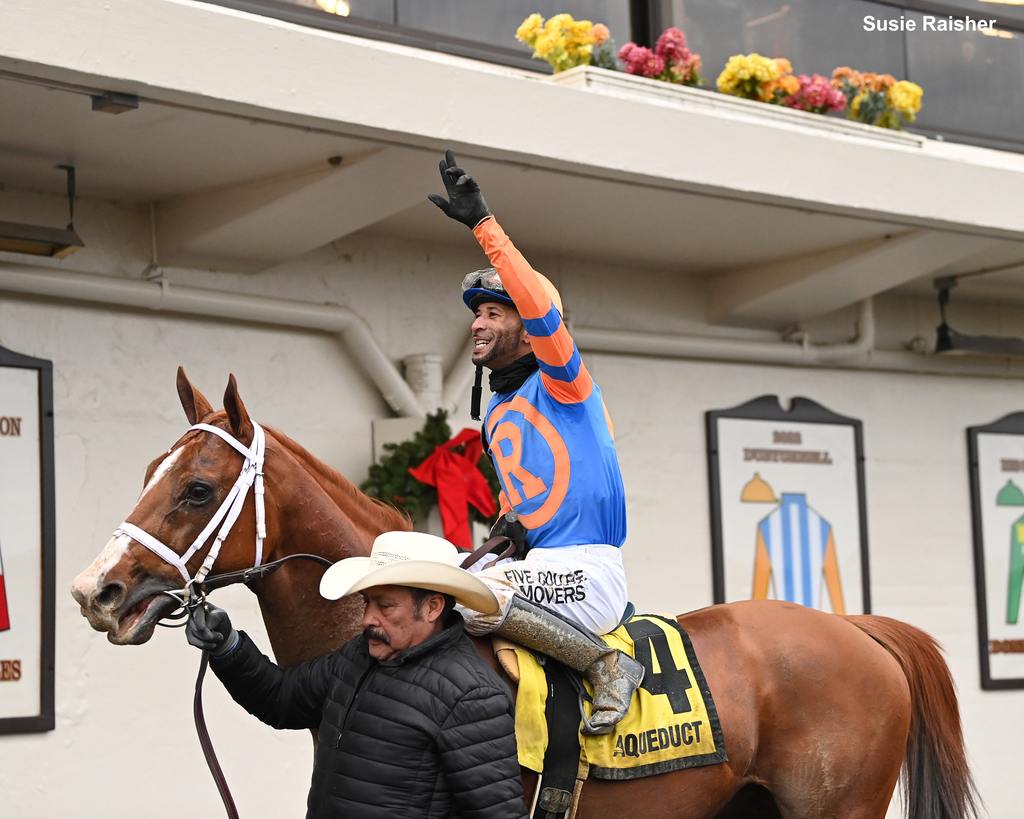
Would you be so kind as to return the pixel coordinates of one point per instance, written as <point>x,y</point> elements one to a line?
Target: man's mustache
<point>371,633</point>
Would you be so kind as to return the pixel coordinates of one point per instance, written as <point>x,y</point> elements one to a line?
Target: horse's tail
<point>936,782</point>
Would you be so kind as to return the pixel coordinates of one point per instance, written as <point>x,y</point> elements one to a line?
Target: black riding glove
<point>509,525</point>
<point>465,203</point>
<point>209,628</point>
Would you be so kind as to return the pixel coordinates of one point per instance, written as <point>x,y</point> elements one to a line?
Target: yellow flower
<point>545,43</point>
<point>751,75</point>
<point>529,28</point>
<point>560,40</point>
<point>559,22</point>
<point>581,30</point>
<point>905,97</point>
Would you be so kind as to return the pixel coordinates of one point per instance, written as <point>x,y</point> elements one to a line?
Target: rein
<point>198,599</point>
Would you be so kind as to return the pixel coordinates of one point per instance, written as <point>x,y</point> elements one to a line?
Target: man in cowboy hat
<point>550,438</point>
<point>411,720</point>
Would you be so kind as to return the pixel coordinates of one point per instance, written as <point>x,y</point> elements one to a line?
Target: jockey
<point>546,422</point>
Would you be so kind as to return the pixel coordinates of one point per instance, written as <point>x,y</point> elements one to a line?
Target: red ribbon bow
<point>459,483</point>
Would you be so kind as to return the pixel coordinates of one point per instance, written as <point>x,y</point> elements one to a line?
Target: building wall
<point>124,745</point>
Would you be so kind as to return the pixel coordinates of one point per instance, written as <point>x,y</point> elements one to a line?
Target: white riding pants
<point>585,584</point>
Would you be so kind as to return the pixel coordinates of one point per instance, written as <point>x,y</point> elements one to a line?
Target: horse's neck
<point>317,511</point>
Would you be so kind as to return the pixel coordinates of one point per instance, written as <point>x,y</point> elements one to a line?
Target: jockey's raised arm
<point>563,373</point>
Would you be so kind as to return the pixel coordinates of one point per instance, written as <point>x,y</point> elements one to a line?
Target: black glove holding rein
<point>209,628</point>
<point>465,203</point>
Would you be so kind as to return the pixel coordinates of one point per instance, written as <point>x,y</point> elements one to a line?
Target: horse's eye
<point>198,493</point>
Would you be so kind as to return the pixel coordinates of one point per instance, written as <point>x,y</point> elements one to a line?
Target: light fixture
<point>113,102</point>
<point>343,8</point>
<point>39,240</point>
<point>949,342</point>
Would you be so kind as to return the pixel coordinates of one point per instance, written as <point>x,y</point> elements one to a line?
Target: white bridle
<point>225,516</point>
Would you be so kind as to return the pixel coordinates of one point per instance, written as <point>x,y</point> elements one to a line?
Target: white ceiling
<point>148,154</point>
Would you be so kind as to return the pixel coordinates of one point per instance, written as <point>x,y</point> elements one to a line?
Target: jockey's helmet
<point>485,285</point>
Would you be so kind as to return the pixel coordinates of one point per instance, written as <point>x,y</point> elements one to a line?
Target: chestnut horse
<point>819,712</point>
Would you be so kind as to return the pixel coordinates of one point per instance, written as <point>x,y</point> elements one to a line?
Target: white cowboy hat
<point>409,559</point>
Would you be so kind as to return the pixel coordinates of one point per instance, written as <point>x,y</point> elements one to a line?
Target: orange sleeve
<point>762,570</point>
<point>563,373</point>
<point>830,568</point>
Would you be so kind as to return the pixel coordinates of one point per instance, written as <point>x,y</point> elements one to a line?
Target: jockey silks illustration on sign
<point>789,505</point>
<point>20,535</point>
<point>5,616</point>
<point>10,427</point>
<point>23,669</point>
<point>997,497</point>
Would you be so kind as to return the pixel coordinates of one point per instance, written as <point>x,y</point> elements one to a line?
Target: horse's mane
<point>372,513</point>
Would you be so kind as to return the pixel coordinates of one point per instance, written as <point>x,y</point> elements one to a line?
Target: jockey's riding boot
<point>613,674</point>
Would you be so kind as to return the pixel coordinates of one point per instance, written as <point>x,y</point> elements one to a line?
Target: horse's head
<point>121,592</point>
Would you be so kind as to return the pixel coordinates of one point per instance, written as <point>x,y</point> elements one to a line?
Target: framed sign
<point>788,520</point>
<point>26,544</point>
<point>995,456</point>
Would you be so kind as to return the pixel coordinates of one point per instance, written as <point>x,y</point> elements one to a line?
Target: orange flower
<point>877,82</point>
<point>846,74</point>
<point>789,84</point>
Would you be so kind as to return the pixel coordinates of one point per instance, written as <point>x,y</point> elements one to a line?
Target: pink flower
<point>654,66</point>
<point>626,51</point>
<point>641,60</point>
<point>816,94</point>
<point>671,46</point>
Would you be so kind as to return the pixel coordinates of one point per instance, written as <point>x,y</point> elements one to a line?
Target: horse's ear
<point>238,415</point>
<point>192,401</point>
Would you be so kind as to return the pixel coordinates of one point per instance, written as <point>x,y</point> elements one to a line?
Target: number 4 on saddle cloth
<point>671,723</point>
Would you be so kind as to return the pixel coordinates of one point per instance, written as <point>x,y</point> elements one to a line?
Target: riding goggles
<point>483,285</point>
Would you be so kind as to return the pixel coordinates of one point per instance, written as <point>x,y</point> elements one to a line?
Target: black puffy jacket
<point>428,733</point>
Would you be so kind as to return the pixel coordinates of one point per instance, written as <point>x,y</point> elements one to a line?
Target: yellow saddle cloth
<point>671,723</point>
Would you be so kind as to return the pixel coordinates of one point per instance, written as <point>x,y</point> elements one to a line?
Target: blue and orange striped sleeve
<point>562,371</point>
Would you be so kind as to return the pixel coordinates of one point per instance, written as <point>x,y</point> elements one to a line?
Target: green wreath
<point>390,480</point>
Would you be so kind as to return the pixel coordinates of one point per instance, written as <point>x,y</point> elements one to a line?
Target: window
<point>466,27</point>
<point>972,84</point>
<point>496,23</point>
<point>1007,12</point>
<point>815,35</point>
<point>972,81</point>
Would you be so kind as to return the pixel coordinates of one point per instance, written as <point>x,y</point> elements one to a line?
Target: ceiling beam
<point>802,288</point>
<point>260,223</point>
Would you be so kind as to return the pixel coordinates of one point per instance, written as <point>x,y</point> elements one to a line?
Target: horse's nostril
<point>110,596</point>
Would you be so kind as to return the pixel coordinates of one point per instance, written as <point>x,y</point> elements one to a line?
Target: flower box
<point>620,84</point>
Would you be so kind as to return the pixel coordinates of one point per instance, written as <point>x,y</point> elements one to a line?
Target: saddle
<point>672,722</point>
